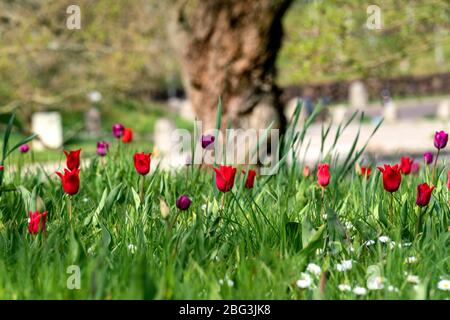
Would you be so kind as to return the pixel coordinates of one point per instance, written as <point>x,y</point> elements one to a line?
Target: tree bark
<point>227,49</point>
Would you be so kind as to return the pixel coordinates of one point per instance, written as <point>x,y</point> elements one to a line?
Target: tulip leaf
<point>314,242</point>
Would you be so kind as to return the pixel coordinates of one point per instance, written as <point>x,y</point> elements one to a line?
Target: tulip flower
<point>37,222</point>
<point>250,178</point>
<point>183,202</point>
<point>73,159</point>
<point>225,178</point>
<point>24,148</point>
<point>127,136</point>
<point>117,130</point>
<point>423,194</point>
<point>102,148</point>
<point>70,180</point>
<point>391,177</point>
<point>142,163</point>
<point>440,139</point>
<point>1,168</point>
<point>306,171</point>
<point>405,165</point>
<point>323,174</point>
<point>207,140</point>
<point>428,157</point>
<point>366,171</point>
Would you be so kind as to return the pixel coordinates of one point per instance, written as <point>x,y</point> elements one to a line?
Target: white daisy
<point>392,289</point>
<point>392,244</point>
<point>359,291</point>
<point>407,244</point>
<point>444,285</point>
<point>344,266</point>
<point>413,279</point>
<point>375,283</point>
<point>368,243</point>
<point>344,287</point>
<point>313,269</point>
<point>410,260</point>
<point>132,248</point>
<point>383,239</point>
<point>305,281</point>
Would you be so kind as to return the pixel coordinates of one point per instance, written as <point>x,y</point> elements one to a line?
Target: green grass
<point>255,246</point>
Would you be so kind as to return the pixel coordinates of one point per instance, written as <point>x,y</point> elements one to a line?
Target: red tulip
<point>70,181</point>
<point>127,135</point>
<point>73,159</point>
<point>250,178</point>
<point>323,174</point>
<point>142,163</point>
<point>225,178</point>
<point>423,194</point>
<point>37,222</point>
<point>391,177</point>
<point>1,168</point>
<point>366,171</point>
<point>405,165</point>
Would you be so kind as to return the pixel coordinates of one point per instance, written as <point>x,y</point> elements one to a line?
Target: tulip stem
<point>391,209</point>
<point>222,202</point>
<point>69,207</point>
<point>141,189</point>
<point>434,167</point>
<point>419,220</point>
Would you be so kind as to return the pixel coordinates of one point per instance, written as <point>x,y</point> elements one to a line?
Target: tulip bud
<point>306,171</point>
<point>428,157</point>
<point>163,208</point>
<point>142,163</point>
<point>102,148</point>
<point>24,148</point>
<point>207,140</point>
<point>405,165</point>
<point>423,194</point>
<point>250,178</point>
<point>117,130</point>
<point>183,202</point>
<point>323,174</point>
<point>127,136</point>
<point>440,139</point>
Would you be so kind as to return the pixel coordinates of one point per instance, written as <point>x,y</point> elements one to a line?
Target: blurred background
<point>137,62</point>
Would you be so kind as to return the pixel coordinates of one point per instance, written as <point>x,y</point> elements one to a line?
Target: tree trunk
<point>227,49</point>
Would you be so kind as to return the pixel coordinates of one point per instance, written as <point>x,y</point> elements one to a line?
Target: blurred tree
<point>228,49</point>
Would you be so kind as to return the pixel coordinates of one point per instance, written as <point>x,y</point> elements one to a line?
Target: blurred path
<point>406,137</point>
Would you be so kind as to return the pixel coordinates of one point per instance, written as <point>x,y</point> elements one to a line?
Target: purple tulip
<point>440,139</point>
<point>117,130</point>
<point>183,202</point>
<point>24,148</point>
<point>428,157</point>
<point>102,148</point>
<point>207,140</point>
